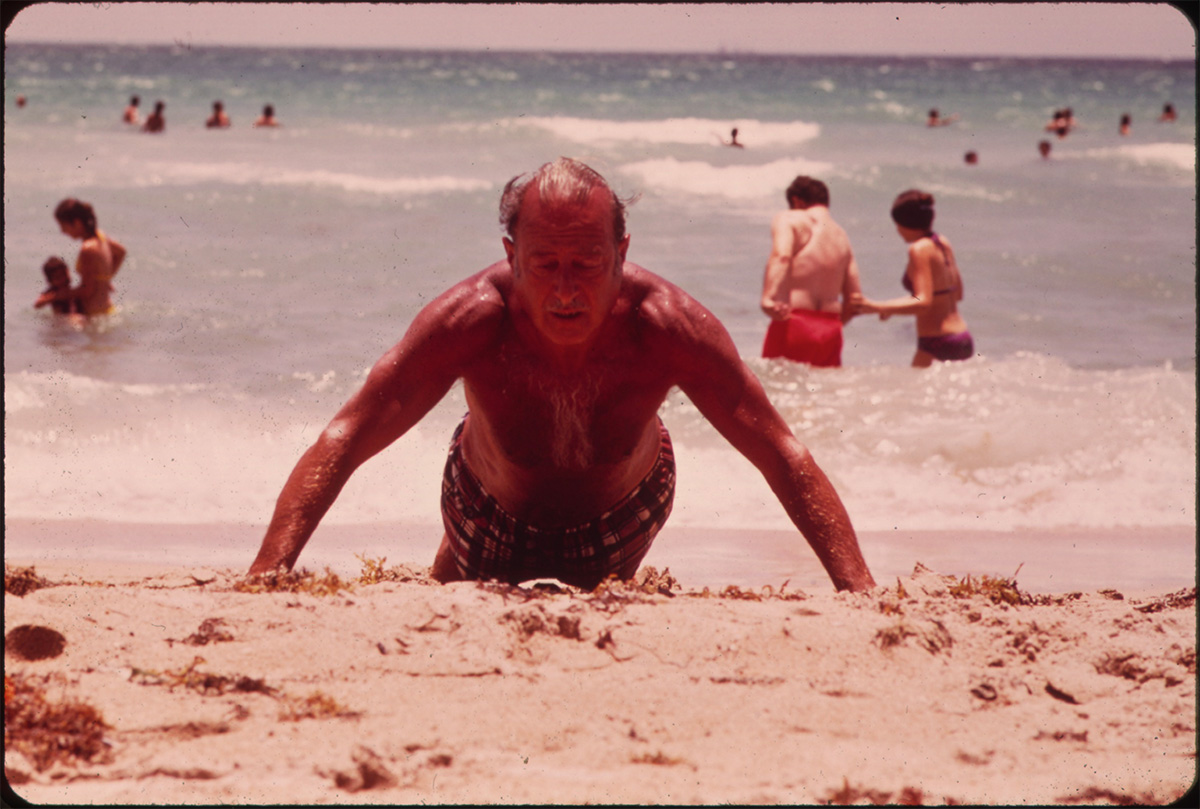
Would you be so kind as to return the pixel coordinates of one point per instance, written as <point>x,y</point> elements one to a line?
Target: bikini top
<point>908,284</point>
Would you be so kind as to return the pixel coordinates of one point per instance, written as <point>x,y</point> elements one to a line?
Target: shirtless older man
<point>561,467</point>
<point>810,275</point>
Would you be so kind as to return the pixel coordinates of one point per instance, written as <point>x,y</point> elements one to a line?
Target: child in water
<point>58,276</point>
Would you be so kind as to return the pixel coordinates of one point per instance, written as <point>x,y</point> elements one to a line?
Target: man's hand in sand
<point>561,467</point>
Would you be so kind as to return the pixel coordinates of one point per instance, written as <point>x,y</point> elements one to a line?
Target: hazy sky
<point>1131,30</point>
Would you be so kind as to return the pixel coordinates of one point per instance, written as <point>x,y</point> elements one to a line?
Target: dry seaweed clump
<point>374,572</point>
<point>294,581</point>
<point>202,681</point>
<point>850,794</point>
<point>765,593</point>
<point>316,705</point>
<point>47,732</point>
<point>21,581</point>
<point>1173,601</point>
<point>994,588</point>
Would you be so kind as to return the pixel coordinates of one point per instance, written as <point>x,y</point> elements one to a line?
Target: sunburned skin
<point>566,352</point>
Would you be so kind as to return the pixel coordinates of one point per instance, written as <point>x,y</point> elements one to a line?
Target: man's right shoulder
<point>476,302</point>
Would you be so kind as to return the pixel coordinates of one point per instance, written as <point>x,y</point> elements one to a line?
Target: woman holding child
<point>933,281</point>
<point>99,259</point>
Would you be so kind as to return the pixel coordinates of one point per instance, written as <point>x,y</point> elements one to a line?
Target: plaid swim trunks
<point>489,543</point>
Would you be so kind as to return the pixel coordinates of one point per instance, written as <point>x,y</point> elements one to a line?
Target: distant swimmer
<point>561,467</point>
<point>131,112</point>
<point>1168,114</point>
<point>1126,122</point>
<point>934,284</point>
<point>935,119</point>
<point>1062,122</point>
<point>20,102</point>
<point>733,141</point>
<point>156,121</point>
<point>100,258</point>
<point>971,158</point>
<point>1044,149</point>
<point>58,279</point>
<point>810,276</point>
<point>267,118</point>
<point>219,119</point>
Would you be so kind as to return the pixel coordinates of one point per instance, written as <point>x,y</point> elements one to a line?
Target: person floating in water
<point>1062,123</point>
<point>156,122</point>
<point>934,284</point>
<point>935,119</point>
<point>810,276</point>
<point>100,258</point>
<point>58,279</point>
<point>267,118</point>
<point>1168,114</point>
<point>561,467</point>
<point>219,118</point>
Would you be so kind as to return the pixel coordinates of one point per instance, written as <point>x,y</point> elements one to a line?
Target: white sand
<point>476,694</point>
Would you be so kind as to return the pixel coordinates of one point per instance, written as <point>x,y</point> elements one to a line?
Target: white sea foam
<point>183,174</point>
<point>695,131</point>
<point>998,445</point>
<point>735,182</point>
<point>1181,156</point>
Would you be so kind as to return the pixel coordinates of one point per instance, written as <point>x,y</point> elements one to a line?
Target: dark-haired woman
<point>934,284</point>
<point>99,259</point>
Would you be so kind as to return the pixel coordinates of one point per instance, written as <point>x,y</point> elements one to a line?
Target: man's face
<point>567,266</point>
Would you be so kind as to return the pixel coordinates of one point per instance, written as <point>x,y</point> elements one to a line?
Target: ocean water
<point>268,270</point>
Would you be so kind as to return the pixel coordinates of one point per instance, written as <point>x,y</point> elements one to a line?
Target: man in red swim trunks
<point>810,274</point>
<point>561,467</point>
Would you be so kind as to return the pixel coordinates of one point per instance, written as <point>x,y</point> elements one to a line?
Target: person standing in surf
<point>157,121</point>
<point>100,258</point>
<point>810,275</point>
<point>934,284</point>
<point>131,112</point>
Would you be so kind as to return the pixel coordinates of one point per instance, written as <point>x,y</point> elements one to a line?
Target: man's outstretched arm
<point>403,386</point>
<point>387,406</point>
<point>729,395</point>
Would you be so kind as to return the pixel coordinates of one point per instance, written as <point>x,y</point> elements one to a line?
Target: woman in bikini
<point>934,284</point>
<point>99,259</point>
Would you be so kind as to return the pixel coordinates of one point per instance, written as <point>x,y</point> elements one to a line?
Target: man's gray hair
<point>566,180</point>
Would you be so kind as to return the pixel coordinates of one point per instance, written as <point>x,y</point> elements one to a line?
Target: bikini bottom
<point>948,346</point>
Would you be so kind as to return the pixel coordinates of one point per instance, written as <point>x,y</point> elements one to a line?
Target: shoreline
<point>1054,560</point>
<point>404,692</point>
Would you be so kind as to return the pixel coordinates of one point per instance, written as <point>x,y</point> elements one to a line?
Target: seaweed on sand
<point>48,731</point>
<point>316,705</point>
<point>374,572</point>
<point>204,682</point>
<point>294,581</point>
<point>21,581</point>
